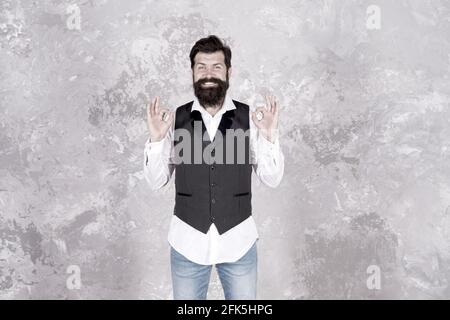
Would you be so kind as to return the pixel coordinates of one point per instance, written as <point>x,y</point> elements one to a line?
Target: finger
<point>267,103</point>
<point>149,107</point>
<point>274,104</point>
<point>157,105</point>
<point>254,119</point>
<point>167,115</point>
<point>259,114</point>
<point>260,109</point>
<point>162,111</point>
<point>152,107</point>
<point>275,108</point>
<point>171,116</point>
<point>271,103</point>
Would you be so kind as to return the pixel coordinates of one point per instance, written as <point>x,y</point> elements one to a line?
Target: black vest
<point>215,190</point>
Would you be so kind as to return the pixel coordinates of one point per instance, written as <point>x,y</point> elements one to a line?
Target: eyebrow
<point>215,64</point>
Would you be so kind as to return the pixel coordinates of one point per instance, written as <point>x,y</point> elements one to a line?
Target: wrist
<point>270,134</point>
<point>154,139</point>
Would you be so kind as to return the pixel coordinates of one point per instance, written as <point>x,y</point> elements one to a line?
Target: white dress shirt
<point>211,248</point>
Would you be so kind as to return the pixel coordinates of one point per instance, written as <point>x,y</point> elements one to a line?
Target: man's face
<point>210,77</point>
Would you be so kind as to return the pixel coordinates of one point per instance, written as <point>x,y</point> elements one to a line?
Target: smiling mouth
<point>209,84</point>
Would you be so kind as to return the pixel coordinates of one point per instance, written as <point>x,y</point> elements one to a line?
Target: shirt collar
<point>227,105</point>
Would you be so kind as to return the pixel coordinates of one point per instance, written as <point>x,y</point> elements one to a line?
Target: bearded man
<point>212,221</point>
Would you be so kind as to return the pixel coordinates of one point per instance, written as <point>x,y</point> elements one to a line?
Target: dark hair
<point>209,45</point>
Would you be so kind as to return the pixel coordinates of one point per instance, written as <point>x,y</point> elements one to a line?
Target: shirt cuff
<point>265,146</point>
<point>154,147</point>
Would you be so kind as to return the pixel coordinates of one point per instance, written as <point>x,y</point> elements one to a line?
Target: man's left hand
<point>266,118</point>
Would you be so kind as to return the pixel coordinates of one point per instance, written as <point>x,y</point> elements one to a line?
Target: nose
<point>209,74</point>
<point>209,77</point>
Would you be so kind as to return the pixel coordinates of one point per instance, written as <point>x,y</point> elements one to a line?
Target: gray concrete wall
<point>363,211</point>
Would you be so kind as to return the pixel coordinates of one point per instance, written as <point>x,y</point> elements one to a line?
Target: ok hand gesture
<point>266,118</point>
<point>159,120</point>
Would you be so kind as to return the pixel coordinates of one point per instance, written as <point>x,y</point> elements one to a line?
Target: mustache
<point>213,80</point>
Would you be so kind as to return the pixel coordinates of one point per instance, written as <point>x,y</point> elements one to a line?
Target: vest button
<point>213,219</point>
<point>213,184</point>
<point>213,200</point>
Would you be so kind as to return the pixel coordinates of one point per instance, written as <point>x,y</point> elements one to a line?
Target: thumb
<point>254,119</point>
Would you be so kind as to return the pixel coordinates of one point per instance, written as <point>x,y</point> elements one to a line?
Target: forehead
<point>210,58</point>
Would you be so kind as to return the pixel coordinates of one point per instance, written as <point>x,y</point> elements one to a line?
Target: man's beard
<point>211,96</point>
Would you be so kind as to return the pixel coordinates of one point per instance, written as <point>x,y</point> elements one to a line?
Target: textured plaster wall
<point>365,128</point>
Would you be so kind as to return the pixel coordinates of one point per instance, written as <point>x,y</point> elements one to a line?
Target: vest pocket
<point>244,203</point>
<point>184,194</point>
<point>241,194</point>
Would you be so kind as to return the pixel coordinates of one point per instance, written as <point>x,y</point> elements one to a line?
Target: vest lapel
<point>226,122</point>
<point>195,117</point>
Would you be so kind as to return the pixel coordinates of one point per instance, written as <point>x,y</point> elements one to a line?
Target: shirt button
<point>213,200</point>
<point>212,167</point>
<point>213,152</point>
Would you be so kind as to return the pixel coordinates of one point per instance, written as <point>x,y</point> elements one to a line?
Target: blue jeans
<point>190,280</point>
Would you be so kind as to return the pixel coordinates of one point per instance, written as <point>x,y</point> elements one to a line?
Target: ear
<point>229,72</point>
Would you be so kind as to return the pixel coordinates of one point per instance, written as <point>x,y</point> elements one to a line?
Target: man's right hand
<point>156,125</point>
